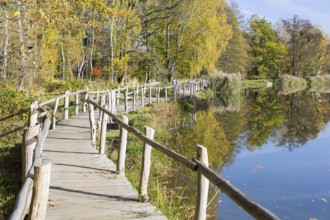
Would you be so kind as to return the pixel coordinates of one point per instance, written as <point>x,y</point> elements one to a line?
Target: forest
<point>47,47</point>
<point>117,41</point>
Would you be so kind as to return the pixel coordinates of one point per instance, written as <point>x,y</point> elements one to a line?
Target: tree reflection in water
<point>263,116</point>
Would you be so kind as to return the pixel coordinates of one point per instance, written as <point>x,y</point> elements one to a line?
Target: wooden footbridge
<point>66,174</point>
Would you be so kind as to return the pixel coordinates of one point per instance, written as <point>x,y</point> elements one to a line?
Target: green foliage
<point>319,84</point>
<point>267,51</point>
<point>226,88</point>
<point>290,84</point>
<point>219,80</point>
<point>263,118</point>
<point>14,114</point>
<point>254,83</point>
<point>235,58</point>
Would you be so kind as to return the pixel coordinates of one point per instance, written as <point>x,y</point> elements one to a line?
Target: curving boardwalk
<point>83,183</point>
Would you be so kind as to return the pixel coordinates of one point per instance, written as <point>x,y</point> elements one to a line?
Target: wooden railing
<point>33,196</point>
<point>32,199</point>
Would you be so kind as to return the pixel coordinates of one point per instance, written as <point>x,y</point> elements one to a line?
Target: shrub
<point>319,84</point>
<point>288,84</point>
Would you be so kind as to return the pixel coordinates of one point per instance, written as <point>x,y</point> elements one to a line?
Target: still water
<point>274,147</point>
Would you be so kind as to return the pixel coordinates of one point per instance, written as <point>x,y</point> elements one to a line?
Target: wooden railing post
<point>54,113</point>
<point>142,95</point>
<point>33,117</point>
<point>118,96</point>
<point>92,123</point>
<point>109,99</point>
<point>122,148</point>
<point>102,103</point>
<point>126,101</point>
<point>134,101</point>
<point>113,102</point>
<point>103,133</point>
<point>184,89</point>
<point>175,88</point>
<point>158,94</point>
<point>150,95</point>
<point>202,185</point>
<point>40,192</point>
<point>165,93</point>
<point>85,104</point>
<point>97,95</point>
<point>146,162</point>
<point>28,146</point>
<point>66,105</point>
<point>77,104</point>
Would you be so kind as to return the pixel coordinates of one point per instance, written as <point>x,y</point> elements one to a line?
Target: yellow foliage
<point>207,132</point>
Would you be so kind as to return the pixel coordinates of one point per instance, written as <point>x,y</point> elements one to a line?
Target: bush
<point>226,89</point>
<point>319,84</point>
<point>14,114</point>
<point>290,84</point>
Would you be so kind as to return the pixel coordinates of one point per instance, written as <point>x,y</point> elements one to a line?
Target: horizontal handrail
<point>23,200</point>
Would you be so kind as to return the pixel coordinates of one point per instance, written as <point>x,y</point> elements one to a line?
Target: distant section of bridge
<point>66,174</point>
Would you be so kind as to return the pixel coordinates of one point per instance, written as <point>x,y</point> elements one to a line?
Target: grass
<point>14,114</point>
<point>9,177</point>
<point>255,84</point>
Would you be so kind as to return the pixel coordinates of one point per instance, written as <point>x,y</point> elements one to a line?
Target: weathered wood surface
<point>83,183</point>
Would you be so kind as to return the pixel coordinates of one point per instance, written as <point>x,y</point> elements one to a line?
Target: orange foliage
<point>97,72</point>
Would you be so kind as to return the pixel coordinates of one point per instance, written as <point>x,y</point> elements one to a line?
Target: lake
<point>274,147</point>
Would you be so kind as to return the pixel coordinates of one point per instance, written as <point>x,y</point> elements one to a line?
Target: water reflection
<point>263,121</point>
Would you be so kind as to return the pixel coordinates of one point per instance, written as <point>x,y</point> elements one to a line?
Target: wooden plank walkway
<point>83,183</point>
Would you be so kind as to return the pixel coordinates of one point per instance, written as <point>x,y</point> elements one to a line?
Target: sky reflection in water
<point>293,184</point>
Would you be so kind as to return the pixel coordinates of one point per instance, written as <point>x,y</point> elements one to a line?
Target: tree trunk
<point>91,56</point>
<point>63,61</point>
<point>24,71</point>
<point>111,49</point>
<point>5,47</point>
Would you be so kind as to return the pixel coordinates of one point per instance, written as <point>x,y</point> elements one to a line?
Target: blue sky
<point>317,11</point>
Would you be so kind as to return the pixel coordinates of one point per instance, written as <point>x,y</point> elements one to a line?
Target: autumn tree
<point>267,52</point>
<point>307,47</point>
<point>189,36</point>
<point>235,58</point>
